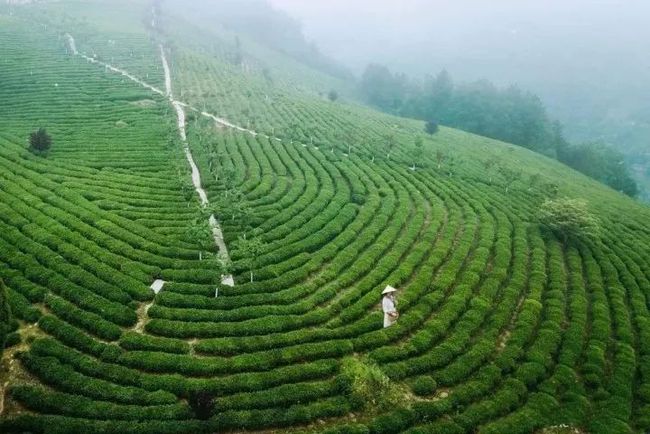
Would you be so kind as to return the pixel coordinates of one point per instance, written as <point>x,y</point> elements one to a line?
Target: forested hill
<point>508,114</point>
<point>191,242</point>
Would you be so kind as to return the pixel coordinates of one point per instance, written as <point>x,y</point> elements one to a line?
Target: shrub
<point>568,219</point>
<point>366,386</point>
<point>431,127</point>
<point>40,140</point>
<point>423,385</point>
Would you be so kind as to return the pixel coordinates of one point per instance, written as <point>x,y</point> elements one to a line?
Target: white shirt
<point>388,306</point>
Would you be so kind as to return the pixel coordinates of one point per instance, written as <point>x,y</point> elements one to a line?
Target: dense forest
<point>509,114</point>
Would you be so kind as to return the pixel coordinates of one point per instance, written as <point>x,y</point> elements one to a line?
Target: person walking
<point>388,305</point>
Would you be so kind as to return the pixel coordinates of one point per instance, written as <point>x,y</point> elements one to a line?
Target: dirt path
<point>179,107</point>
<point>10,367</point>
<point>217,233</point>
<point>142,317</point>
<point>73,48</point>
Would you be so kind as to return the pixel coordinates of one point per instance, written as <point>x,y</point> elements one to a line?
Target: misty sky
<point>584,58</point>
<point>403,32</point>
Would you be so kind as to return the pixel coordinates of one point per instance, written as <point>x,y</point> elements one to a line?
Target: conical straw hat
<point>388,289</point>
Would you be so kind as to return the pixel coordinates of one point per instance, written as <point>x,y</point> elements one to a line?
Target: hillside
<point>173,167</point>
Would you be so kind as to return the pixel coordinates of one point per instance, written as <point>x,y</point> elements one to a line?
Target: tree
<point>418,151</point>
<point>382,89</point>
<point>440,158</point>
<point>389,144</point>
<point>367,386</point>
<point>216,163</point>
<point>568,219</point>
<point>250,248</point>
<point>431,127</point>
<point>602,163</point>
<point>200,233</point>
<point>452,164</point>
<point>550,189</point>
<point>5,315</point>
<point>509,176</point>
<point>40,140</point>
<point>534,181</point>
<point>294,132</point>
<point>187,187</point>
<point>202,403</point>
<point>333,95</point>
<point>489,164</point>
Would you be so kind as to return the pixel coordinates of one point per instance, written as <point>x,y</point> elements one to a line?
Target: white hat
<point>388,289</point>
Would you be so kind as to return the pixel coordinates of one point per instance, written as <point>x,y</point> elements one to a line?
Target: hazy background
<point>589,61</point>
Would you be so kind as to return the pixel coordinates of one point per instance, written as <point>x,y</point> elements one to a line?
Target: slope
<point>517,331</point>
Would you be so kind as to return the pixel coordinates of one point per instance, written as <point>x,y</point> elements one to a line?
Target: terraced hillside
<point>502,329</point>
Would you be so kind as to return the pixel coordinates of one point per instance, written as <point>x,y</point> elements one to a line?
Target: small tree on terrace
<point>534,181</point>
<point>488,165</point>
<point>431,127</point>
<point>251,247</point>
<point>216,163</point>
<point>509,176</point>
<point>200,234</point>
<point>418,151</point>
<point>294,132</point>
<point>187,187</point>
<point>550,189</point>
<point>440,158</point>
<point>568,219</point>
<point>40,140</point>
<point>333,95</point>
<point>389,144</point>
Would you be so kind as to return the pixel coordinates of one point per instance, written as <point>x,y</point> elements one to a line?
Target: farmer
<point>388,305</point>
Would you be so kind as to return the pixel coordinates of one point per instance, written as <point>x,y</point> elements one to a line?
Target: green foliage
<point>40,140</point>
<point>367,386</point>
<point>569,219</point>
<point>423,385</point>
<point>250,247</point>
<point>510,115</point>
<point>501,330</point>
<point>601,162</point>
<point>431,126</point>
<point>200,234</point>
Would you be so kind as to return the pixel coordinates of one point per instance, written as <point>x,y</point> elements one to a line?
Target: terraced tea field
<point>502,328</point>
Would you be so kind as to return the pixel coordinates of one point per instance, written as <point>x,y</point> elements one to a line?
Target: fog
<point>587,59</point>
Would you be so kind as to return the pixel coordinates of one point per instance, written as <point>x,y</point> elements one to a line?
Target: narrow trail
<point>179,107</point>
<point>218,120</point>
<point>217,233</point>
<point>73,49</point>
<point>142,317</point>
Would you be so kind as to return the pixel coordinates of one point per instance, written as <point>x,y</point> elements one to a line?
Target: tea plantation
<point>503,328</point>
